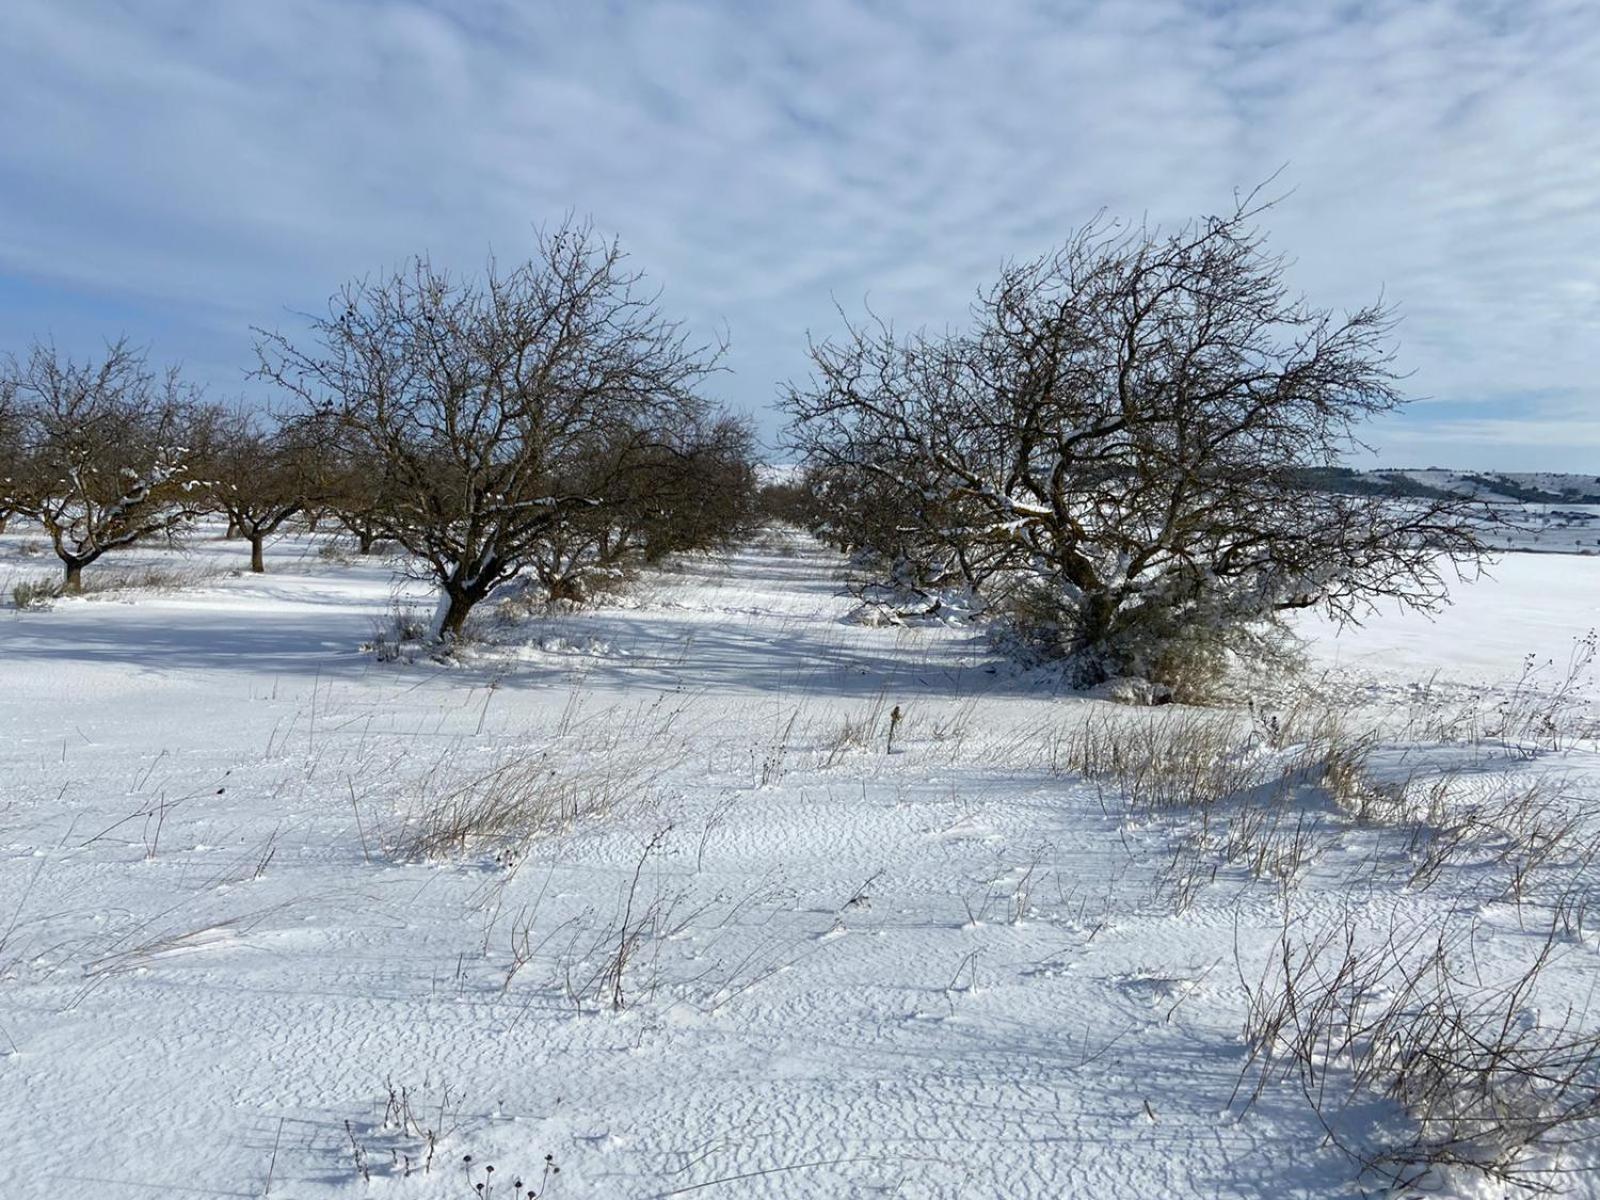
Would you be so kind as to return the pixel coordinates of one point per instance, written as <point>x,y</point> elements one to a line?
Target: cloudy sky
<point>183,170</point>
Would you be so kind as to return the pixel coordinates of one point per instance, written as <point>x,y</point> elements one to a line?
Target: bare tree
<point>1126,435</point>
<point>354,492</point>
<point>11,468</point>
<point>483,398</point>
<point>105,460</point>
<point>698,493</point>
<point>694,489</point>
<point>792,499</point>
<point>261,476</point>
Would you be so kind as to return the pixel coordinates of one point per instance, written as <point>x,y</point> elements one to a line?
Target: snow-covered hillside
<point>1535,511</point>
<point>1534,487</point>
<point>712,892</point>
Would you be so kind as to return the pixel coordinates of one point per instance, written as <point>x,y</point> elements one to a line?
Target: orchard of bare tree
<point>1007,607</point>
<point>1119,463</point>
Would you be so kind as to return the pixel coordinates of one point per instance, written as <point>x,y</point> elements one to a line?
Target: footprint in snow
<point>1155,988</point>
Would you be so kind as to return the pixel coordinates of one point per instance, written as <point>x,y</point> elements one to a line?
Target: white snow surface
<point>938,972</point>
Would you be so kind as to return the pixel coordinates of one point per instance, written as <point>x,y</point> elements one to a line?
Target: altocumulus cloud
<point>184,169</point>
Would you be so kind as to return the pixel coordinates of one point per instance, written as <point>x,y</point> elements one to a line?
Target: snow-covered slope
<point>1534,487</point>
<point>947,967</point>
<point>1541,512</point>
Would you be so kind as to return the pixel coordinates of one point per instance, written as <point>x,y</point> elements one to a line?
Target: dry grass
<point>401,631</point>
<point>40,593</point>
<point>868,728</point>
<point>1173,759</point>
<point>153,578</point>
<point>1266,794</point>
<point>513,803</point>
<point>1493,1084</point>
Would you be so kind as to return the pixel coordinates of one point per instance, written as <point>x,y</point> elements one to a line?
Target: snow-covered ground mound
<point>715,892</point>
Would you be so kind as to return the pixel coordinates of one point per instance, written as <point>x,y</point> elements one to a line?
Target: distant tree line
<point>543,422</point>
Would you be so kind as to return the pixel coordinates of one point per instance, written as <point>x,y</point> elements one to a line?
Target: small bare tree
<point>103,448</point>
<point>482,399</point>
<point>354,493</point>
<point>1127,435</point>
<point>260,477</point>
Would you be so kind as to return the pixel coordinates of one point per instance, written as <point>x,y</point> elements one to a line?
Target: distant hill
<point>1524,487</point>
<point>1539,511</point>
<point>1512,487</point>
<point>1350,482</point>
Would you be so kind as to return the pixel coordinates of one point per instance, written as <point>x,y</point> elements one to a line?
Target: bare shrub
<point>1545,710</point>
<point>634,929</point>
<point>1438,712</point>
<point>1521,824</point>
<point>401,627</point>
<point>34,595</point>
<point>584,587</point>
<point>1186,662</point>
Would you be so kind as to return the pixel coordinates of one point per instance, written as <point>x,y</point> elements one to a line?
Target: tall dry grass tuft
<point>515,802</point>
<point>1493,1083</point>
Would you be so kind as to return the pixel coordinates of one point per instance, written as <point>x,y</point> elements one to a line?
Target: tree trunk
<point>4,517</point>
<point>233,530</point>
<point>257,562</point>
<point>1097,625</point>
<point>565,587</point>
<point>364,540</point>
<point>73,584</point>
<point>454,606</point>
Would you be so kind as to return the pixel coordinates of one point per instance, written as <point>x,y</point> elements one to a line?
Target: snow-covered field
<point>730,942</point>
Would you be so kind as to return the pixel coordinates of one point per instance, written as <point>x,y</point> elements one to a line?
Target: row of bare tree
<point>1124,447</point>
<point>545,421</point>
